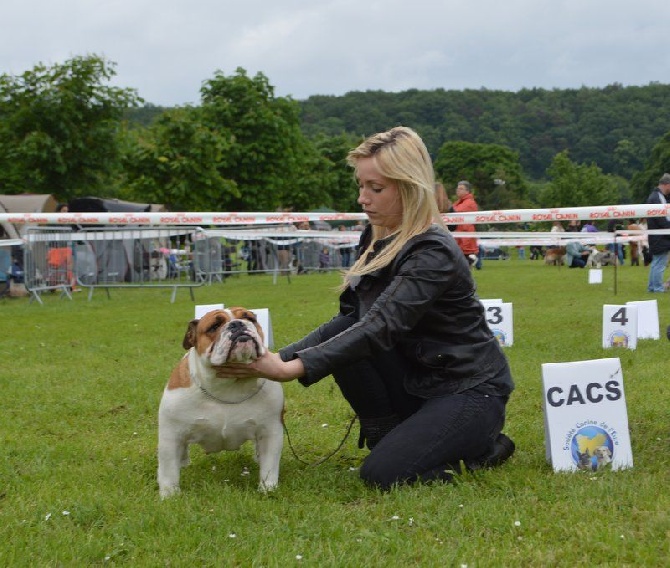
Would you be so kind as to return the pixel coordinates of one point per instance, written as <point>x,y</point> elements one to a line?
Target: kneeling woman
<point>410,348</point>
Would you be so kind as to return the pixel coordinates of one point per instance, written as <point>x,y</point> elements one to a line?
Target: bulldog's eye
<point>212,328</point>
<point>250,318</point>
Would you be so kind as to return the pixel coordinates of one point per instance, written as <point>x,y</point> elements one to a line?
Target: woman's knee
<point>373,474</point>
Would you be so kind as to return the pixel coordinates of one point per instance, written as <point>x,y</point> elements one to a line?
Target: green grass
<point>81,383</point>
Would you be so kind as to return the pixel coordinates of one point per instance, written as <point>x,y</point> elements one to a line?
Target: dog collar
<point>194,379</point>
<point>217,399</point>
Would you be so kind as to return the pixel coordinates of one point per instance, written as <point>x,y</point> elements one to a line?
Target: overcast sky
<point>167,49</point>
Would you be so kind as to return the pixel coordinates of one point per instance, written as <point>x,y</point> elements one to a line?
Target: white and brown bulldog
<point>218,413</point>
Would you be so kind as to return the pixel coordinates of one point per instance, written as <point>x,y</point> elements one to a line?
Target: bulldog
<point>198,407</point>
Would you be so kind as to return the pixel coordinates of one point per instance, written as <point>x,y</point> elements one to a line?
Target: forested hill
<point>614,127</point>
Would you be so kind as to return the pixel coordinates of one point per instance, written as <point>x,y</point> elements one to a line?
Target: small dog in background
<point>602,258</point>
<point>199,407</point>
<point>555,256</point>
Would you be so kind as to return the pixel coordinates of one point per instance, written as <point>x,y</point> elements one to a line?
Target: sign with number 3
<point>499,317</point>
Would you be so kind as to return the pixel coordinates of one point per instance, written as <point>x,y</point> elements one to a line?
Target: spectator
<point>636,245</point>
<point>466,203</point>
<point>345,250</point>
<point>616,248</point>
<point>576,254</point>
<point>659,245</point>
<point>646,255</point>
<point>324,258</point>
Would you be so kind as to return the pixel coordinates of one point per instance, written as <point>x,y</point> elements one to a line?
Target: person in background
<point>557,227</point>
<point>576,254</point>
<point>635,247</point>
<point>299,247</point>
<point>74,284</point>
<point>659,245</point>
<point>465,203</point>
<point>574,226</point>
<point>324,258</point>
<point>345,250</point>
<point>616,248</point>
<point>410,348</point>
<point>646,255</point>
<point>589,227</point>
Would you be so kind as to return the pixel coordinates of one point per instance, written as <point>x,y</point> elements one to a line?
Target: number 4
<point>619,316</point>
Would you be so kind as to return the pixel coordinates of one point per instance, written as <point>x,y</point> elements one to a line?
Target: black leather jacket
<point>424,305</point>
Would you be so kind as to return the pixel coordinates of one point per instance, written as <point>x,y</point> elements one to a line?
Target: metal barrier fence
<point>59,259</point>
<point>278,250</point>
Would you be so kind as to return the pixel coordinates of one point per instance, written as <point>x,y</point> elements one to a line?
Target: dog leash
<point>330,455</point>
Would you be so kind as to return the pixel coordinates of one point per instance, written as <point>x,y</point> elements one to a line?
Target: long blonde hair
<point>400,156</point>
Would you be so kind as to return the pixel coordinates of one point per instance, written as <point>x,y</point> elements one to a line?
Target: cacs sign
<point>591,393</point>
<point>585,417</point>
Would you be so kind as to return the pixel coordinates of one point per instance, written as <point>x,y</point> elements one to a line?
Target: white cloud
<point>167,49</point>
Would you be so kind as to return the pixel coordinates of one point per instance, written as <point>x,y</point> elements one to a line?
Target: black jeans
<point>430,444</point>
<point>433,435</point>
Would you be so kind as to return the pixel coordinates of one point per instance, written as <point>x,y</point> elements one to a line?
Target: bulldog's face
<point>232,335</point>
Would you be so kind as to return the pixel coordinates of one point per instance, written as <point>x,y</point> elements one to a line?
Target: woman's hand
<point>269,366</point>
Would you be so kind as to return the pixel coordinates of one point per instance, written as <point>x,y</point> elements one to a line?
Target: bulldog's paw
<point>169,491</point>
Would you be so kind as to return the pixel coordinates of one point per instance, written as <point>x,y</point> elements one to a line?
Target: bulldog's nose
<point>235,325</point>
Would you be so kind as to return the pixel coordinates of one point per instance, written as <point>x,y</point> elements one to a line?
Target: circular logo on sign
<point>618,339</point>
<point>500,336</point>
<point>592,448</point>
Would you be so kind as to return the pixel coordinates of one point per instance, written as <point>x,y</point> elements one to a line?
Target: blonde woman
<point>409,349</point>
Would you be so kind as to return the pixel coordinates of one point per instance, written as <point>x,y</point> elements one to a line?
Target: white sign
<point>202,309</point>
<point>647,319</point>
<point>500,321</point>
<point>585,417</point>
<point>595,275</point>
<point>619,326</point>
<point>262,315</point>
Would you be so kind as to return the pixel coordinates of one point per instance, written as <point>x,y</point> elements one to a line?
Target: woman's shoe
<point>503,449</point>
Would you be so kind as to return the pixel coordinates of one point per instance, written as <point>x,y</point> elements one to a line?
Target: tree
<point>175,162</point>
<point>267,148</point>
<point>656,166</point>
<point>338,180</point>
<point>493,170</point>
<point>59,126</point>
<point>578,185</point>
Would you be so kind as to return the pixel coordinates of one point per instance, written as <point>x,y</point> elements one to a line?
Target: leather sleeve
<point>330,329</point>
<point>421,275</point>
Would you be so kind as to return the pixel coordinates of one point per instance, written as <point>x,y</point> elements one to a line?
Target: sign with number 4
<point>619,326</point>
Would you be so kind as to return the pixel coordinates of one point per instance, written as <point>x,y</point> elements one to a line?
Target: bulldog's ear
<point>189,338</point>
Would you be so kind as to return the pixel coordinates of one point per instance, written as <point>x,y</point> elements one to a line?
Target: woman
<point>410,348</point>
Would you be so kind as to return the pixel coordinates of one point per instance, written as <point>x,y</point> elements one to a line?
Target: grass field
<point>81,383</point>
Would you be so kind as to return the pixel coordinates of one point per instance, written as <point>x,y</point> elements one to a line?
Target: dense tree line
<point>64,130</point>
<point>614,127</point>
